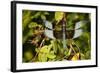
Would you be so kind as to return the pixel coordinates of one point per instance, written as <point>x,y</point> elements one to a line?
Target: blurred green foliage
<point>39,48</point>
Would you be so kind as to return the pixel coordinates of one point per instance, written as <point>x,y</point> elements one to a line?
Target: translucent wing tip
<point>77,33</point>
<point>80,24</point>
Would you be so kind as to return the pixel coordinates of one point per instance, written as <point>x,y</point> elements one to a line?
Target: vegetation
<point>37,47</point>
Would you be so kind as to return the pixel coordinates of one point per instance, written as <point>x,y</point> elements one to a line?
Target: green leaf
<point>69,52</point>
<point>32,24</point>
<point>54,45</point>
<point>42,57</point>
<point>46,13</point>
<point>43,17</point>
<point>29,33</point>
<point>82,56</point>
<point>50,46</point>
<point>88,54</point>
<point>44,49</point>
<point>36,15</point>
<point>26,18</point>
<point>58,16</point>
<point>37,50</point>
<point>51,56</point>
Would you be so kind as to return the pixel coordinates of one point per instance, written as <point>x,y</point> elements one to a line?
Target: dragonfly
<point>64,34</point>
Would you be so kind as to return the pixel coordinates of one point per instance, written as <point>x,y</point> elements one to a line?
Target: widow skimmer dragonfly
<point>64,33</point>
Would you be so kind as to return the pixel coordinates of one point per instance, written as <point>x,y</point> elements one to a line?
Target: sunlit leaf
<point>54,44</point>
<point>51,56</point>
<point>58,16</point>
<point>44,49</point>
<point>75,57</point>
<point>42,57</point>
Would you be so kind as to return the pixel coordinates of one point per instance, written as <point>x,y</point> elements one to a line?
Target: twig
<point>73,50</point>
<point>39,50</point>
<point>77,47</point>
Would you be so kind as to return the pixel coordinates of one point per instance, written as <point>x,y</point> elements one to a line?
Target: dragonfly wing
<point>48,24</point>
<point>77,33</point>
<point>78,30</point>
<point>49,33</point>
<point>80,24</point>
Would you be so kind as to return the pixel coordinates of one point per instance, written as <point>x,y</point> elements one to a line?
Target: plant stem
<point>73,49</point>
<point>77,47</point>
<point>39,50</point>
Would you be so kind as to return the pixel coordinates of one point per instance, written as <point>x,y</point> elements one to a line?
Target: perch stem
<point>73,50</point>
<point>77,47</point>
